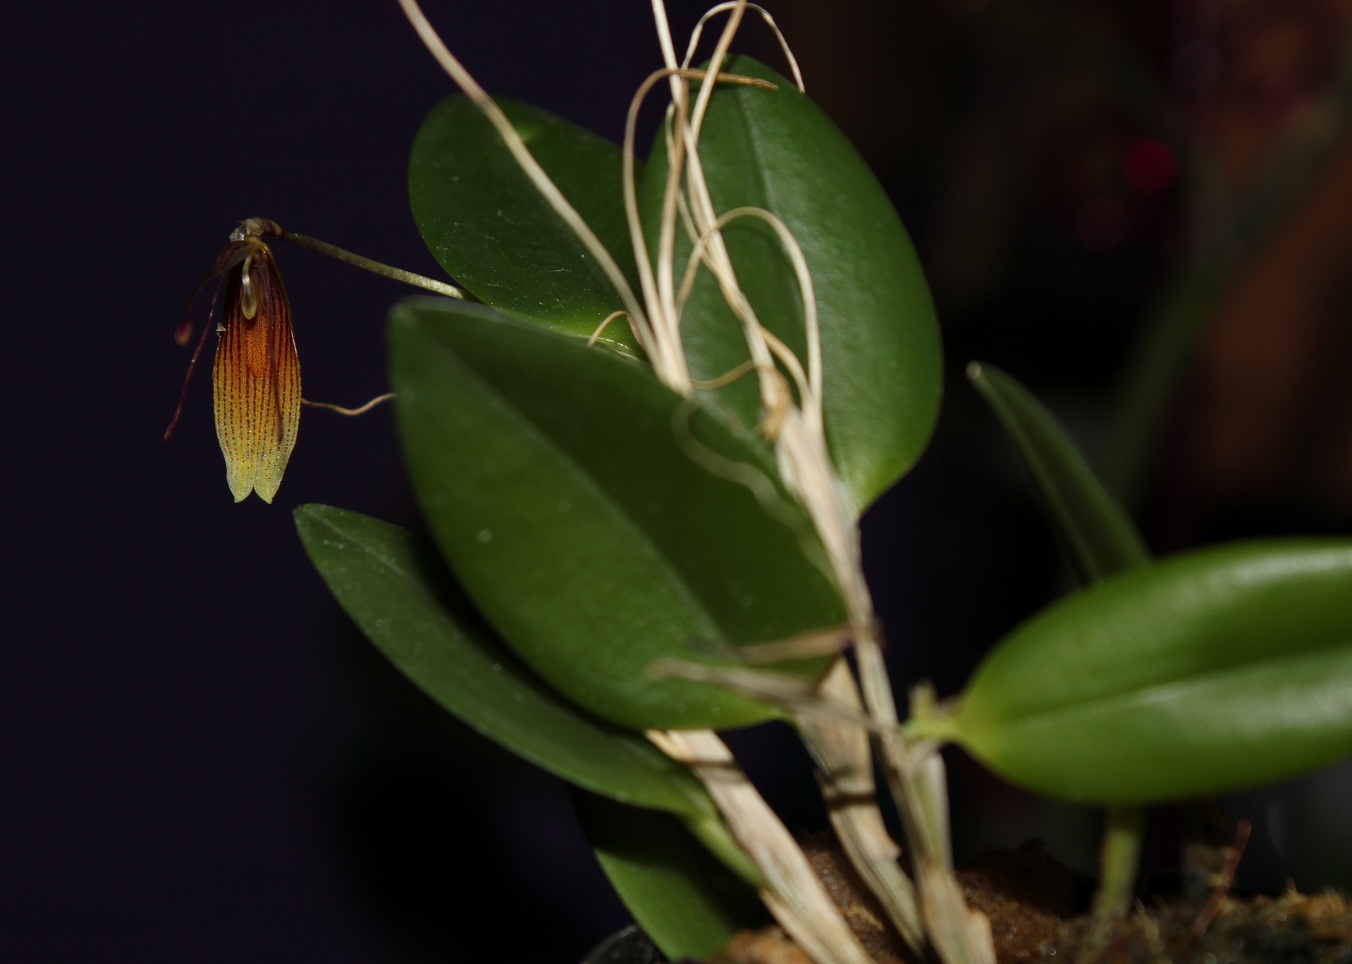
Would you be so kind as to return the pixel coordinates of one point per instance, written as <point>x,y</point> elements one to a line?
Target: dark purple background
<point>197,759</point>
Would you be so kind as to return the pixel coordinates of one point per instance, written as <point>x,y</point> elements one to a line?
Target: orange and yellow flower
<point>256,374</point>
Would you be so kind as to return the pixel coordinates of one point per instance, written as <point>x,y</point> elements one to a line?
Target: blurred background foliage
<point>1141,210</point>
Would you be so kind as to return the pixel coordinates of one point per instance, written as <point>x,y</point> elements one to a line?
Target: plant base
<point>1038,909</point>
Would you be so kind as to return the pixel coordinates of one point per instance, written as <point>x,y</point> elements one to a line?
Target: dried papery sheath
<point>256,375</point>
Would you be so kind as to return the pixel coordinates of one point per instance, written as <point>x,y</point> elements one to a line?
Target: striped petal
<point>256,376</point>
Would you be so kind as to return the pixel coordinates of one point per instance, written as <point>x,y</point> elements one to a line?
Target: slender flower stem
<point>388,271</point>
<point>359,410</point>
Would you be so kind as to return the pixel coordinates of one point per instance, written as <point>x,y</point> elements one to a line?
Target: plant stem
<point>794,895</point>
<point>388,271</point>
<point>841,749</point>
<point>1118,861</point>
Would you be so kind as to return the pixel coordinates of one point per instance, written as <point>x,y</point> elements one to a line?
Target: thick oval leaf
<point>881,356</point>
<point>489,227</point>
<point>574,497</point>
<point>1096,533</point>
<point>684,899</point>
<point>1218,669</point>
<point>401,596</point>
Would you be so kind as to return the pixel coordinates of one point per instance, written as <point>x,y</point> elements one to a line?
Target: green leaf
<point>399,593</point>
<point>881,354</point>
<point>494,233</point>
<point>1222,668</point>
<point>684,899</point>
<point>1098,536</point>
<point>572,494</point>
